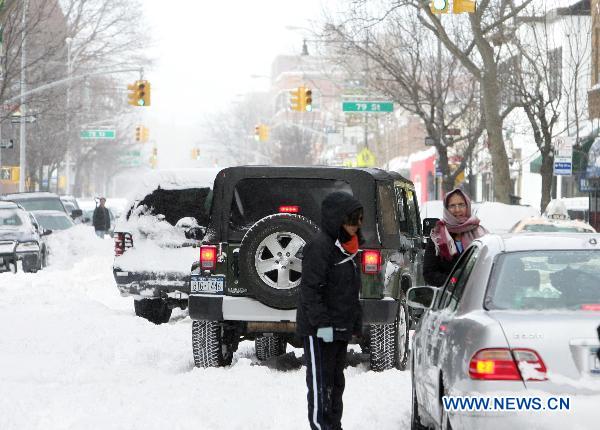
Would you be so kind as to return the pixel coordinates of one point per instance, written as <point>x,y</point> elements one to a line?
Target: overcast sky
<point>206,52</point>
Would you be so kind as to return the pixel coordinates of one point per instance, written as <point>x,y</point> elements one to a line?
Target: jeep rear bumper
<point>152,285</point>
<point>227,308</point>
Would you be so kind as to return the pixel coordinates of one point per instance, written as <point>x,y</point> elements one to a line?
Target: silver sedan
<point>516,318</point>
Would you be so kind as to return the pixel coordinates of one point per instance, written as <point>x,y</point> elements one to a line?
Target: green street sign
<point>97,134</point>
<point>367,106</point>
<point>131,153</point>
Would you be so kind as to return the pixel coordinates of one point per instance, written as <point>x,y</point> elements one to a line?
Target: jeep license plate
<point>208,284</point>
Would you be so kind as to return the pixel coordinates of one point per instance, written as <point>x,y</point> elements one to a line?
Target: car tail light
<point>289,209</point>
<point>503,364</point>
<point>590,307</point>
<point>531,365</point>
<point>208,257</point>
<point>371,261</point>
<point>123,241</point>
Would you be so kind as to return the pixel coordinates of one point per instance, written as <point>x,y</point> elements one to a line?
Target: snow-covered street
<point>73,355</point>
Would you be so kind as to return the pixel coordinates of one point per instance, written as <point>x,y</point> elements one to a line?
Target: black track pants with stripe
<point>325,364</point>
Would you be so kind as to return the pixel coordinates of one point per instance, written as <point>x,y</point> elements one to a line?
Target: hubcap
<point>276,260</point>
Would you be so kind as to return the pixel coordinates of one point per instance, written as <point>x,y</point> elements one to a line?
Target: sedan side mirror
<point>421,297</point>
<point>76,213</point>
<point>196,233</point>
<point>46,232</point>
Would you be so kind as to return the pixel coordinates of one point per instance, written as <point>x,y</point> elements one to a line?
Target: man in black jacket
<point>101,219</point>
<point>329,311</point>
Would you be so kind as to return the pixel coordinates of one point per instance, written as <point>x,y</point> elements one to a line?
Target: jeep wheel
<point>209,346</point>
<point>388,343</point>
<point>154,310</point>
<point>269,346</point>
<point>381,346</point>
<point>271,258</point>
<point>402,339</point>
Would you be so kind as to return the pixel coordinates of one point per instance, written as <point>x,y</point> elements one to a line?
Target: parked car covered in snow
<point>21,239</point>
<point>41,200</point>
<point>53,220</point>
<point>156,240</point>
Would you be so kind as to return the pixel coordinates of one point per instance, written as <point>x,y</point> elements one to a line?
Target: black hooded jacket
<point>329,290</point>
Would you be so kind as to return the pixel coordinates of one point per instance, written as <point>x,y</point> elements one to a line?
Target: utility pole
<point>68,41</point>
<point>23,135</point>
<point>366,127</point>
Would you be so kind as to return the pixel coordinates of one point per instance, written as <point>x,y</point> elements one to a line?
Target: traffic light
<point>463,6</point>
<point>296,100</point>
<point>138,133</point>
<point>307,99</point>
<point>145,134</point>
<point>257,133</point>
<point>155,152</point>
<point>439,6</point>
<point>263,133</point>
<point>195,153</point>
<point>139,93</point>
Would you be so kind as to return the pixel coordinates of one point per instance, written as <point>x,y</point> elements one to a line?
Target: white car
<point>517,317</point>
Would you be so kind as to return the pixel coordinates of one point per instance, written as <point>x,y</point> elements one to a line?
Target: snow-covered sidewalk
<point>73,355</point>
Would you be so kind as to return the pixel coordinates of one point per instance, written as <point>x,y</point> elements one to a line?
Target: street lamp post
<point>68,41</point>
<point>22,134</point>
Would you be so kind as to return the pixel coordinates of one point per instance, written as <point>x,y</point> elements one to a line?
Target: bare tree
<point>407,65</point>
<point>477,44</point>
<point>551,103</point>
<point>233,128</point>
<point>98,35</point>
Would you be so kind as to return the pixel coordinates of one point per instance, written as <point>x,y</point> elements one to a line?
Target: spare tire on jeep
<point>270,258</point>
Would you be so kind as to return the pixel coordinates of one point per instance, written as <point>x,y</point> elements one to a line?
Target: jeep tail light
<point>123,241</point>
<point>289,209</point>
<point>208,257</point>
<point>371,261</point>
<point>503,364</point>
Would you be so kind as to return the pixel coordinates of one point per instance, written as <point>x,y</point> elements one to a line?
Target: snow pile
<point>74,244</point>
<point>157,245</point>
<point>74,356</point>
<point>176,179</point>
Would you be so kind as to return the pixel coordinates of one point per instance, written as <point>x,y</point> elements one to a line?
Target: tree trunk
<point>493,125</point>
<point>547,172</point>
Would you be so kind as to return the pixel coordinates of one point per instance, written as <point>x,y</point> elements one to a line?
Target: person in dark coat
<point>329,311</point>
<point>101,219</point>
<point>450,237</point>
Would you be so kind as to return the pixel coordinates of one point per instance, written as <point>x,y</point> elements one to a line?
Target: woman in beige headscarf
<point>450,237</point>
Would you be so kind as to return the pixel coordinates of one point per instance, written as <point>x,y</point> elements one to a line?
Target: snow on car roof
<point>28,195</point>
<point>174,179</point>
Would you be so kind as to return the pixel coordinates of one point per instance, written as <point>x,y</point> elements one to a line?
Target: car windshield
<point>41,204</point>
<point>10,218</point>
<point>541,280</point>
<point>54,222</point>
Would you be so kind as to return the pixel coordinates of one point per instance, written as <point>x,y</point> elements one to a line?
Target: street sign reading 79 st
<point>367,106</point>
<point>97,134</point>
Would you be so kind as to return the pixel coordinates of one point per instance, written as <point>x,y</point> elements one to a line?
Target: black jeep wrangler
<point>245,285</point>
